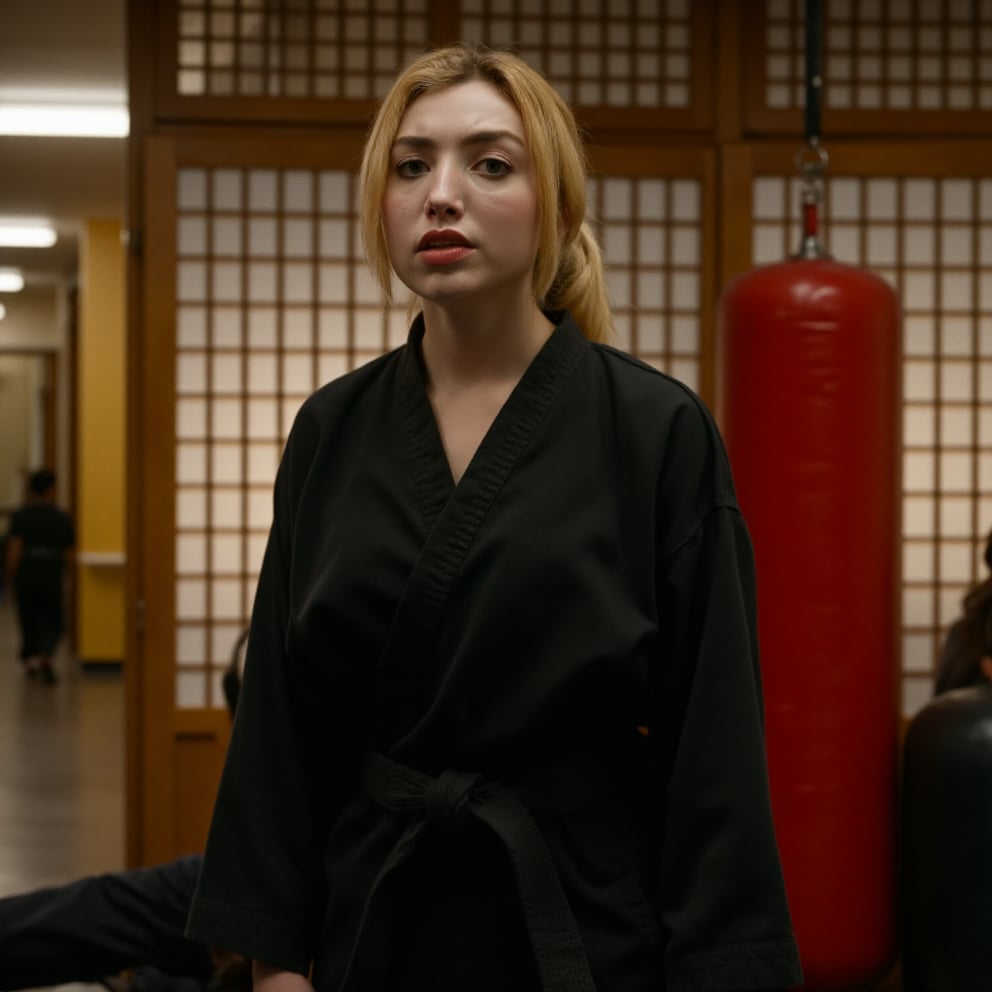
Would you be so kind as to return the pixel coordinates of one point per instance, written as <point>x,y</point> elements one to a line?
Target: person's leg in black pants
<point>99,926</point>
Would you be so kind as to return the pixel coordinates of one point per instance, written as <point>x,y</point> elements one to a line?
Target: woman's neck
<point>463,348</point>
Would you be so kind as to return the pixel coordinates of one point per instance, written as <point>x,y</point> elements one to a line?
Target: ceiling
<point>64,44</point>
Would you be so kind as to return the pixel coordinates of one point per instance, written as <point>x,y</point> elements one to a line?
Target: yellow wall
<point>101,445</point>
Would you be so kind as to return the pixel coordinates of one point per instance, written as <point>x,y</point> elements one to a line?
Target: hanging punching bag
<point>810,413</point>
<point>810,408</point>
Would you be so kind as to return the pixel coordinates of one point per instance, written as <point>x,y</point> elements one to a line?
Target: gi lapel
<point>400,695</point>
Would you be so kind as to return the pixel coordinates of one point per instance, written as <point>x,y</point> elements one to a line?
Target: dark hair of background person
<point>969,639</point>
<point>41,481</point>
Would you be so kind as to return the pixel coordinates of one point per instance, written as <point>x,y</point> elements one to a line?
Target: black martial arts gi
<point>436,779</point>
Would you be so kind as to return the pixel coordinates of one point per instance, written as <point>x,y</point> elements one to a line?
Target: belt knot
<point>448,799</point>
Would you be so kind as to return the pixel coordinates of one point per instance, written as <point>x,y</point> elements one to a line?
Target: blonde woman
<point>501,722</point>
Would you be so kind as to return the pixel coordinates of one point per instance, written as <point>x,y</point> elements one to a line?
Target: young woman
<point>500,727</point>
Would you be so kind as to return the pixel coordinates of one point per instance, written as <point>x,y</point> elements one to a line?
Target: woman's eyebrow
<point>473,138</point>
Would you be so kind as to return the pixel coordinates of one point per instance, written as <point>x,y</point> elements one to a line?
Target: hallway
<point>61,770</point>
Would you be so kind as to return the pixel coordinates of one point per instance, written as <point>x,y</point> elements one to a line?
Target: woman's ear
<point>985,665</point>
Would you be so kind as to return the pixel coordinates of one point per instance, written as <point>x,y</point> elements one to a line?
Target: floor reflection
<point>61,771</point>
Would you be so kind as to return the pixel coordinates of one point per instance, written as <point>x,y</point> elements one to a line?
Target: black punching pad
<point>947,844</point>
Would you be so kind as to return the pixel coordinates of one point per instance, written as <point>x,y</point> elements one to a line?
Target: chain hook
<point>811,161</point>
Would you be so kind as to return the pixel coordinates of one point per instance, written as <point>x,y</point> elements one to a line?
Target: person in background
<point>501,722</point>
<point>966,654</point>
<point>39,546</point>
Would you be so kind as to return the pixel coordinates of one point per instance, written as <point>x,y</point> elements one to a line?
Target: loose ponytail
<point>580,287</point>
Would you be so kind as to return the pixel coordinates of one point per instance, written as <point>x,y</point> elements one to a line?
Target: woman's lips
<point>443,247</point>
<point>445,254</point>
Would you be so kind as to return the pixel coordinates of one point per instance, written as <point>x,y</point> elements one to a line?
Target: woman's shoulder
<point>670,424</point>
<point>648,392</point>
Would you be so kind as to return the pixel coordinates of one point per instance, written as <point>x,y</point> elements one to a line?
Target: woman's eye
<point>493,167</point>
<point>411,167</point>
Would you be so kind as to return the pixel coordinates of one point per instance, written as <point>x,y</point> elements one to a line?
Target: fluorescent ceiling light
<point>11,281</point>
<point>64,112</point>
<point>70,120</point>
<point>23,232</point>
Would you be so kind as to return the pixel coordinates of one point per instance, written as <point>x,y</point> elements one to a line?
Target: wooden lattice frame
<point>904,67</point>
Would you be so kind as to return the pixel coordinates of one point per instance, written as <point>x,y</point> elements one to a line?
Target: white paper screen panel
<point>618,53</point>
<point>347,49</point>
<point>932,240</point>
<point>885,54</point>
<point>650,230</point>
<point>273,300</point>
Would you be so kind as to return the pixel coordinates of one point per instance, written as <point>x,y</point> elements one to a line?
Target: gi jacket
<point>505,734</point>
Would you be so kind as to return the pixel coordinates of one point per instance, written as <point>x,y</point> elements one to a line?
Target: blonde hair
<point>568,270</point>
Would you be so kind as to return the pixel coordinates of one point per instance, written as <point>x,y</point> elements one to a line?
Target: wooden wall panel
<point>199,758</point>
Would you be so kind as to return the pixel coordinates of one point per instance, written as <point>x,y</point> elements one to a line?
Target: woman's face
<point>460,212</point>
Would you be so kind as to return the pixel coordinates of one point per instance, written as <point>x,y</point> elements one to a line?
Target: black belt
<point>455,799</point>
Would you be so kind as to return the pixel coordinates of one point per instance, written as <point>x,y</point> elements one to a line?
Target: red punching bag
<point>810,410</point>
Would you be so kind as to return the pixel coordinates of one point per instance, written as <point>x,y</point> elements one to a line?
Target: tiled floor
<point>61,772</point>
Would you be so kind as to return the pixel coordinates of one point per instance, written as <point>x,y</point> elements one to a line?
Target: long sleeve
<point>721,891</point>
<point>723,895</point>
<point>261,891</point>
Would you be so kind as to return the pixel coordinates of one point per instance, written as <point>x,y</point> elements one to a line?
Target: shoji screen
<point>889,66</point>
<point>624,53</point>
<point>327,49</point>
<point>256,294</point>
<point>273,300</point>
<point>930,236</point>
<point>652,232</point>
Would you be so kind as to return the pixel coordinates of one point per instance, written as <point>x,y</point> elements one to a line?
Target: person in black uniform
<point>39,543</point>
<point>501,721</point>
<point>966,654</point>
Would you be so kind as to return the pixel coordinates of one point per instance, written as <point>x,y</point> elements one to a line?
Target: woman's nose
<point>444,198</point>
